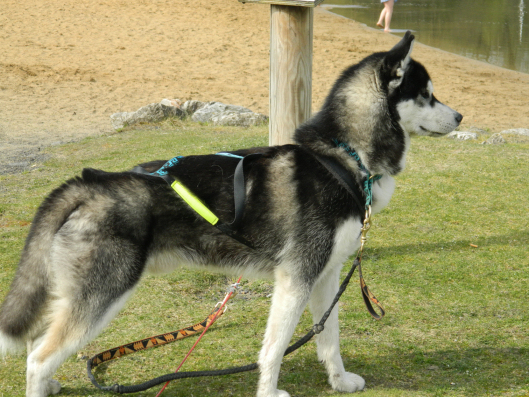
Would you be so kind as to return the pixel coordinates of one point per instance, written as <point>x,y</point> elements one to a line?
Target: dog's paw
<point>54,387</point>
<point>274,393</point>
<point>347,382</point>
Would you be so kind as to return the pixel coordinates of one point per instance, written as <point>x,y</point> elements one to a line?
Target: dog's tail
<point>25,302</point>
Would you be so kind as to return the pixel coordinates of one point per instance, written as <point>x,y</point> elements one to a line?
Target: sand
<point>66,66</point>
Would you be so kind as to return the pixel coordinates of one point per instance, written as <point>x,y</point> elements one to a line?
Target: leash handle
<point>368,296</point>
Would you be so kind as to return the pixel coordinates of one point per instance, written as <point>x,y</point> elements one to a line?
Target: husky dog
<point>95,236</point>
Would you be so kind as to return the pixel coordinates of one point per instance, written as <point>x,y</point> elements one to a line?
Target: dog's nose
<point>459,117</point>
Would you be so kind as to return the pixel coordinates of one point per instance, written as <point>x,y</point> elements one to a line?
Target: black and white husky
<point>95,236</point>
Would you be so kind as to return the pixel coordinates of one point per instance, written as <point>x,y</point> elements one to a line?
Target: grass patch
<point>448,259</point>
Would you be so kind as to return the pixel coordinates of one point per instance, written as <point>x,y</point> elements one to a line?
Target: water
<point>494,31</point>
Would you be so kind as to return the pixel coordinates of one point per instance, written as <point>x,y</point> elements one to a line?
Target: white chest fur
<point>382,191</point>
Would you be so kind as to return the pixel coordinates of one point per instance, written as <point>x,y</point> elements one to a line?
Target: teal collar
<point>369,179</point>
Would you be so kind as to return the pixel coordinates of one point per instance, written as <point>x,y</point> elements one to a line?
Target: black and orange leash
<point>108,355</point>
<point>154,341</point>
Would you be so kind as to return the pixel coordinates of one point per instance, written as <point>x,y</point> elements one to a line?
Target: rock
<point>495,139</point>
<point>517,131</point>
<point>119,120</point>
<point>171,102</point>
<point>214,109</point>
<point>206,112</point>
<point>240,119</point>
<point>514,135</point>
<point>190,107</point>
<point>462,135</point>
<point>221,114</point>
<point>153,113</point>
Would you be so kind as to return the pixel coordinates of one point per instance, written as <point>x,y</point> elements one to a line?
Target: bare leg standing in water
<point>385,15</point>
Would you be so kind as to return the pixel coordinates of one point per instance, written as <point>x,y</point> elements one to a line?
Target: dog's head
<point>375,106</point>
<point>410,94</point>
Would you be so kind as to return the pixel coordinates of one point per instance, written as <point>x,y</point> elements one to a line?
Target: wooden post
<point>290,70</point>
<point>290,65</point>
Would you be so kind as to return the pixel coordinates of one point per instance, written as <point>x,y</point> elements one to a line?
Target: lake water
<point>493,31</point>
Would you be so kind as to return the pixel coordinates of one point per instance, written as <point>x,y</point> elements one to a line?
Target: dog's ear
<point>398,58</point>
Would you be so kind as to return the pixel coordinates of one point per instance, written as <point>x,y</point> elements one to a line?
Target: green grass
<point>447,258</point>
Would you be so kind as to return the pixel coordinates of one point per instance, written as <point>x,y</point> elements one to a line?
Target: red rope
<point>226,298</point>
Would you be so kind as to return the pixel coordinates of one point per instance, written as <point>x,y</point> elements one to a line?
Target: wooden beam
<point>290,70</point>
<point>301,3</point>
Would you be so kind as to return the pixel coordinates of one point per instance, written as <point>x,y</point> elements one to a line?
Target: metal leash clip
<point>230,293</point>
<point>234,288</point>
<point>365,228</point>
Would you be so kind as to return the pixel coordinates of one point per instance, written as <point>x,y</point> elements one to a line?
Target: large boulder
<point>216,113</point>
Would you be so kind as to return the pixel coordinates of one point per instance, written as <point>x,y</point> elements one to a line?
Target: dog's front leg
<point>328,341</point>
<point>288,301</point>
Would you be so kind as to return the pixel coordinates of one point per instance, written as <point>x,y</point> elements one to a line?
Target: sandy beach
<point>67,66</point>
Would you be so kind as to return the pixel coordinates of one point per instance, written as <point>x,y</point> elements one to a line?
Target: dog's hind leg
<point>288,301</point>
<point>51,386</point>
<point>70,328</point>
<point>92,269</point>
<point>328,343</point>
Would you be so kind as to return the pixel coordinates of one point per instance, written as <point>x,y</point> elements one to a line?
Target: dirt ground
<point>66,66</point>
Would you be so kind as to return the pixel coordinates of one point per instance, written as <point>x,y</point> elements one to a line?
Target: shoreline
<point>328,8</point>
<point>477,61</point>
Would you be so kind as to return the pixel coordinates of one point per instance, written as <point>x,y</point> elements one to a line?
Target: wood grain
<point>291,30</point>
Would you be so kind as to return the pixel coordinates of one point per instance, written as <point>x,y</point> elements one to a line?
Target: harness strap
<point>239,195</point>
<point>346,180</point>
<point>342,176</point>
<point>239,189</point>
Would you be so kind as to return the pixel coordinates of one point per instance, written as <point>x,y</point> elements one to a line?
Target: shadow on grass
<point>469,372</point>
<point>515,239</point>
<point>465,372</point>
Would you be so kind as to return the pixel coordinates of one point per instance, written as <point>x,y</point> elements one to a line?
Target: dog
<point>94,237</point>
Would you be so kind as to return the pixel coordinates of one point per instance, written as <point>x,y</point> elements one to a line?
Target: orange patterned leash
<point>154,341</point>
<point>231,291</point>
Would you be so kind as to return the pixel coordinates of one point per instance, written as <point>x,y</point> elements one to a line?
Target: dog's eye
<point>425,94</point>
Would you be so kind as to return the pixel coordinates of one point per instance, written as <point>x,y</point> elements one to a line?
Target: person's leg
<point>382,17</point>
<point>388,7</point>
